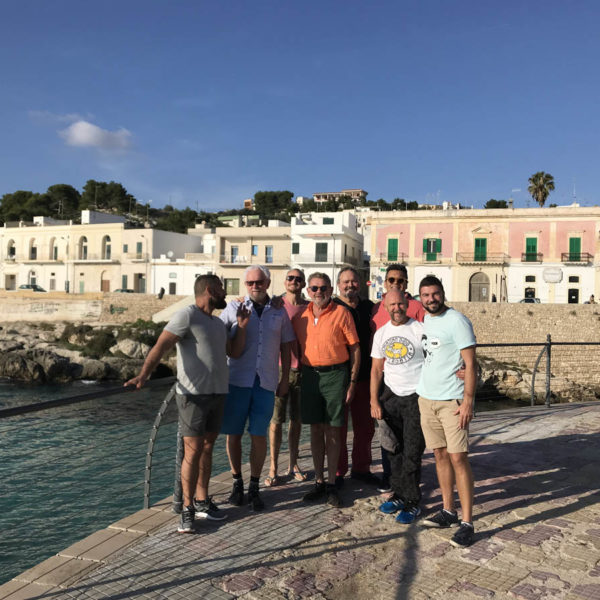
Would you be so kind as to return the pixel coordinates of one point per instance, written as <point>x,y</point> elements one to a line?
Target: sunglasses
<point>397,279</point>
<point>294,278</point>
<point>321,288</point>
<point>255,282</point>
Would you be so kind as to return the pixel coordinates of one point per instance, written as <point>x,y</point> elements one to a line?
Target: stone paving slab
<point>537,518</point>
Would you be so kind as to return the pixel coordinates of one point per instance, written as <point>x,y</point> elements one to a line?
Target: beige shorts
<point>440,425</point>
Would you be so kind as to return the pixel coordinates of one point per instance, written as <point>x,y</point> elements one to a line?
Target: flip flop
<point>271,481</point>
<point>298,475</point>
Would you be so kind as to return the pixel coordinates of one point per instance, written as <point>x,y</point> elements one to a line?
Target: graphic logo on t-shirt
<point>429,347</point>
<point>398,350</point>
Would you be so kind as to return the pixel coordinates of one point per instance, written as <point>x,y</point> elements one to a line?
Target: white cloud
<point>85,134</point>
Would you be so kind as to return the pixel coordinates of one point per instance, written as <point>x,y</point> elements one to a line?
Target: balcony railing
<point>576,257</point>
<point>28,259</point>
<point>532,257</point>
<point>431,257</point>
<point>387,259</point>
<point>90,257</point>
<point>490,258</point>
<point>135,256</point>
<point>227,259</point>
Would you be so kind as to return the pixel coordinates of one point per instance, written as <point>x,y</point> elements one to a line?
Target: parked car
<point>32,287</point>
<point>530,300</point>
<point>124,291</point>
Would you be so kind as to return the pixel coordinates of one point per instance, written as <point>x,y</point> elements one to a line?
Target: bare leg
<point>333,441</point>
<point>294,431</point>
<point>445,474</point>
<point>274,445</point>
<point>258,453</point>
<point>234,452</point>
<point>464,483</point>
<point>317,446</point>
<point>205,466</point>
<point>192,449</point>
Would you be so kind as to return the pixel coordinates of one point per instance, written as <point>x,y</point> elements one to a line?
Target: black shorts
<point>199,414</point>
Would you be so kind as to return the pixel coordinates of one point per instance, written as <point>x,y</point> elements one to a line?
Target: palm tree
<point>540,186</point>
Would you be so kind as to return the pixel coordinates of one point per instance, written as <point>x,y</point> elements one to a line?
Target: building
<point>508,254</point>
<point>326,242</point>
<point>356,194</point>
<point>99,255</point>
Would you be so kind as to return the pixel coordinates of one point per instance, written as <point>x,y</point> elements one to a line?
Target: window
<point>33,251</point>
<point>125,248</point>
<point>106,247</point>
<point>321,252</point>
<point>575,249</point>
<point>55,252</point>
<point>124,282</point>
<point>234,253</point>
<point>232,287</point>
<point>392,249</point>
<point>573,279</point>
<point>480,249</point>
<point>531,249</point>
<point>172,288</point>
<point>268,254</point>
<point>254,250</point>
<point>529,292</point>
<point>83,249</point>
<point>295,248</point>
<point>327,220</point>
<point>431,248</point>
<point>529,278</point>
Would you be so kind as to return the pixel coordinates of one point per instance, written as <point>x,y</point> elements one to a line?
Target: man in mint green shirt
<point>446,405</point>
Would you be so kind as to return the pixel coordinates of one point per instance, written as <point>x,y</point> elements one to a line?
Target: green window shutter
<point>575,249</point>
<point>480,249</point>
<point>392,251</point>
<point>531,249</point>
<point>438,245</point>
<point>425,244</point>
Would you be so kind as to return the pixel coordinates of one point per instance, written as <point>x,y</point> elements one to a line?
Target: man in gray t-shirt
<point>202,383</point>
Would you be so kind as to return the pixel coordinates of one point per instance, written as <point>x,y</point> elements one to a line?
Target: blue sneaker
<point>391,506</point>
<point>408,515</point>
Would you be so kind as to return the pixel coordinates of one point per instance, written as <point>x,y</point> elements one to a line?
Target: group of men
<point>323,360</point>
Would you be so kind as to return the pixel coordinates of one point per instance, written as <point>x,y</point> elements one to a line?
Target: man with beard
<point>348,283</point>
<point>294,303</point>
<point>446,405</point>
<point>397,359</point>
<point>330,362</point>
<point>202,377</point>
<point>254,378</point>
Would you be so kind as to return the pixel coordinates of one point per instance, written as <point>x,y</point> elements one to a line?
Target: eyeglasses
<point>294,278</point>
<point>322,288</point>
<point>397,280</point>
<point>255,282</point>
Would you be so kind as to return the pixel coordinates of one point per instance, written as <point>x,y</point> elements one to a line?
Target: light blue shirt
<point>264,336</point>
<point>443,339</point>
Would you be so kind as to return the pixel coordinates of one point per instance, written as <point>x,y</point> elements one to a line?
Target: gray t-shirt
<point>201,357</point>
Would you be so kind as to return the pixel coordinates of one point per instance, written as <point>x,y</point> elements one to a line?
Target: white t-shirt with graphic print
<point>400,346</point>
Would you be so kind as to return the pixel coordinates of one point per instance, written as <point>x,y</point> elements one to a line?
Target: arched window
<point>11,250</point>
<point>82,248</point>
<point>32,249</point>
<point>53,249</point>
<point>106,247</point>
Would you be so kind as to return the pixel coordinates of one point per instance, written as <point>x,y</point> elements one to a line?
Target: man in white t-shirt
<point>397,359</point>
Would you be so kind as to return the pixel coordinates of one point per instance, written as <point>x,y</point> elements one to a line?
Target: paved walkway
<point>537,518</point>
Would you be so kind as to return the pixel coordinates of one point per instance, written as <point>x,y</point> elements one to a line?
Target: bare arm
<point>286,361</point>
<point>465,410</point>
<point>354,368</point>
<point>376,377</point>
<point>165,342</point>
<point>235,346</point>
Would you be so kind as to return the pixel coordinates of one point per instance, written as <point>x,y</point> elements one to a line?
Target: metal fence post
<point>548,356</point>
<point>177,505</point>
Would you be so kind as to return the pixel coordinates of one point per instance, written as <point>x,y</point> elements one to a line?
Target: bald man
<point>397,358</point>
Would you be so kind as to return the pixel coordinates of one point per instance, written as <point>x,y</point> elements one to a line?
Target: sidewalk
<point>537,519</point>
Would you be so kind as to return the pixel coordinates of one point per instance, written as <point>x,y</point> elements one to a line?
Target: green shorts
<point>292,397</point>
<point>323,395</point>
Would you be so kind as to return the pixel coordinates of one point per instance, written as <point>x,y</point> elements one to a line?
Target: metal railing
<point>532,257</point>
<point>576,257</point>
<point>494,258</point>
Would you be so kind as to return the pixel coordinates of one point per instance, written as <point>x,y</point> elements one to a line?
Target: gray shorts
<point>199,414</point>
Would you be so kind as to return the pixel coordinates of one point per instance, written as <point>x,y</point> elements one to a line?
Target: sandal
<point>271,481</point>
<point>297,474</point>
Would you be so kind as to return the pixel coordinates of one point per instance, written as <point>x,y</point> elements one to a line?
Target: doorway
<point>573,296</point>
<point>479,288</point>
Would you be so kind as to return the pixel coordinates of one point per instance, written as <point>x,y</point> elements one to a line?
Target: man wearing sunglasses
<point>254,378</point>
<point>348,283</point>
<point>330,352</point>
<point>294,303</point>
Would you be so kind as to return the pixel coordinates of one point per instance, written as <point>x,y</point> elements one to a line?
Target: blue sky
<point>202,103</point>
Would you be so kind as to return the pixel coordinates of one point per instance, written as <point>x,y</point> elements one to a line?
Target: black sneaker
<point>255,502</point>
<point>186,521</point>
<point>339,481</point>
<point>237,493</point>
<point>464,536</point>
<point>384,485</point>
<point>318,492</point>
<point>207,509</point>
<point>367,477</point>
<point>332,497</point>
<point>443,518</point>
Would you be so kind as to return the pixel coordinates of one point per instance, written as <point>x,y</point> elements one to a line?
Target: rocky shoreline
<point>62,352</point>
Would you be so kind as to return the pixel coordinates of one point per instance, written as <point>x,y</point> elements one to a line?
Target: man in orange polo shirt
<point>330,362</point>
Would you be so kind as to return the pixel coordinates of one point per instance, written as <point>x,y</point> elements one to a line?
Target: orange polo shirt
<point>325,342</point>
